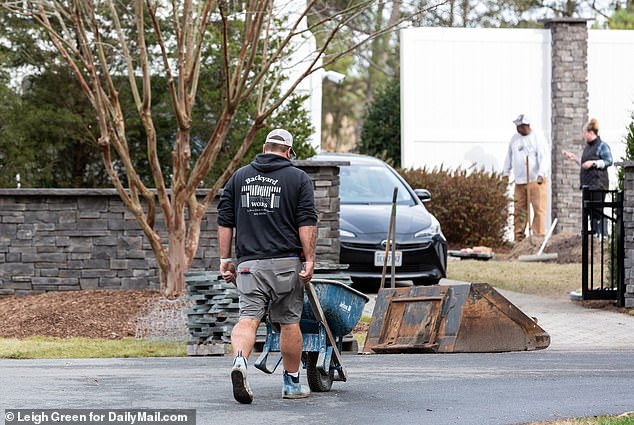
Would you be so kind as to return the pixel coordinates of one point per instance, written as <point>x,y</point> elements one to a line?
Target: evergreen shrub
<point>381,131</point>
<point>629,150</point>
<point>471,205</point>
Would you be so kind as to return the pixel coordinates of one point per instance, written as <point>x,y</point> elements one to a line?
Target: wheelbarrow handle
<point>320,316</point>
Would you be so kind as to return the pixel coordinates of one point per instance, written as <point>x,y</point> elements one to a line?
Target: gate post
<point>569,111</point>
<point>585,196</point>
<point>628,230</point>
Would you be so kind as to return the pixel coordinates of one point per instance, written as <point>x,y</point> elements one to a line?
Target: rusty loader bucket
<point>452,317</point>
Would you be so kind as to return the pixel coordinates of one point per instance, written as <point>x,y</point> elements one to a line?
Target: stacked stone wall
<point>71,239</point>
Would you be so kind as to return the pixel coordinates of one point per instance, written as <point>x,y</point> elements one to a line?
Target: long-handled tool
<point>528,203</point>
<point>391,241</point>
<point>540,256</point>
<point>321,317</point>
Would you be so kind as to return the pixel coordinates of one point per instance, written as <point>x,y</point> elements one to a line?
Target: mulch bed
<point>88,313</point>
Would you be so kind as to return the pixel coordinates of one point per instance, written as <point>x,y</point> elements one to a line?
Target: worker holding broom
<point>529,159</point>
<point>271,205</point>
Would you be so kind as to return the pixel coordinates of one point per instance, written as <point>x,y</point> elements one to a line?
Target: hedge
<point>471,205</point>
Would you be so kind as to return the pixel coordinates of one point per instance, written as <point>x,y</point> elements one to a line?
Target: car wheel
<point>425,281</point>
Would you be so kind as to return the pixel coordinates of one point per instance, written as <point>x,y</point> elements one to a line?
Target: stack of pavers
<point>216,311</point>
<point>213,315</point>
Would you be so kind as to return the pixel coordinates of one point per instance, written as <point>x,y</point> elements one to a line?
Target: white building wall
<point>461,88</point>
<point>301,53</point>
<point>611,87</point>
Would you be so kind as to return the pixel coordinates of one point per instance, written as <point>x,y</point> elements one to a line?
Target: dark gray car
<point>366,192</point>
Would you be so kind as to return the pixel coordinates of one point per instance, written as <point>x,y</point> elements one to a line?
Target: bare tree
<point>93,38</point>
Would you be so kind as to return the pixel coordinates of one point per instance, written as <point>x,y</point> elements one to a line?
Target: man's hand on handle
<point>228,271</point>
<point>308,237</point>
<point>227,268</point>
<point>307,273</point>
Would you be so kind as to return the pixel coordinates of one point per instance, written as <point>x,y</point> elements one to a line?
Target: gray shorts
<point>272,285</point>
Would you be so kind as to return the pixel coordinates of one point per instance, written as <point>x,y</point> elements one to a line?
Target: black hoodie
<point>266,202</point>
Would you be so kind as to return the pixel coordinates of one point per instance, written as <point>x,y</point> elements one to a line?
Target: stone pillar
<point>569,103</point>
<point>325,177</point>
<point>628,225</point>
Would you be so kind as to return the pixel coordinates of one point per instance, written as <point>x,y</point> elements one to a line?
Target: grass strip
<point>624,419</point>
<point>545,279</point>
<point>54,348</point>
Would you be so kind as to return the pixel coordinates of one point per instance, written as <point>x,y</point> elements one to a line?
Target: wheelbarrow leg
<point>319,315</point>
<point>338,367</point>
<point>323,360</point>
<point>271,340</point>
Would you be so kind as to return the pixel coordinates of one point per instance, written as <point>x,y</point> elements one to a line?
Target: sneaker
<point>241,391</point>
<point>292,388</point>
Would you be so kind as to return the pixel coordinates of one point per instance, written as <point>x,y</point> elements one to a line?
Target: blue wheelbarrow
<point>331,311</point>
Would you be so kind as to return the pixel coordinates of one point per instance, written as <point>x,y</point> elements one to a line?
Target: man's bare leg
<point>243,336</point>
<point>291,346</point>
<point>242,341</point>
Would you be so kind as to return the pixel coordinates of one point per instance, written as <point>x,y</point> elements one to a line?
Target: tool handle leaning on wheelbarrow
<point>390,242</point>
<point>320,316</point>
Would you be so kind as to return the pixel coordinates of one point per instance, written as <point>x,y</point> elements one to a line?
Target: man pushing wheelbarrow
<point>271,205</point>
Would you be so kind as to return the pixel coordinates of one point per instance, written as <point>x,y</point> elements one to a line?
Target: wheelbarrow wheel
<point>316,381</point>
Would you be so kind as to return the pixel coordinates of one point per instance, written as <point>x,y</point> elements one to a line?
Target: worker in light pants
<point>529,159</point>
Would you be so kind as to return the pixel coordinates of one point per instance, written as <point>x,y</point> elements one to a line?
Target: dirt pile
<point>566,245</point>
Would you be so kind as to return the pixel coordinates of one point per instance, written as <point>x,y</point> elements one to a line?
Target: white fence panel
<point>611,87</point>
<point>461,89</point>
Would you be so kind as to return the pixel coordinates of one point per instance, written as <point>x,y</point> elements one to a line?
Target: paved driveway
<point>588,370</point>
<point>506,388</point>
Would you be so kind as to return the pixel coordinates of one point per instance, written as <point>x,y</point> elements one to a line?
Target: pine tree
<point>381,133</point>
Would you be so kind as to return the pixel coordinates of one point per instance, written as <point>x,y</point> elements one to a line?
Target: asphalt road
<point>506,388</point>
<point>587,370</point>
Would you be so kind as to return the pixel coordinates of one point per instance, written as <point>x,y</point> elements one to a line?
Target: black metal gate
<point>602,243</point>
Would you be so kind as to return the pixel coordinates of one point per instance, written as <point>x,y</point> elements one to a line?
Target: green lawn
<point>624,419</point>
<point>54,348</point>
<point>546,279</point>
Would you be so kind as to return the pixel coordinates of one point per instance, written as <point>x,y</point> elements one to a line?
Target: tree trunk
<point>177,258</point>
<point>452,13</point>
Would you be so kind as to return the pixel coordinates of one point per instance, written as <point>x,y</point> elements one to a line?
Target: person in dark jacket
<point>593,173</point>
<point>271,206</point>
